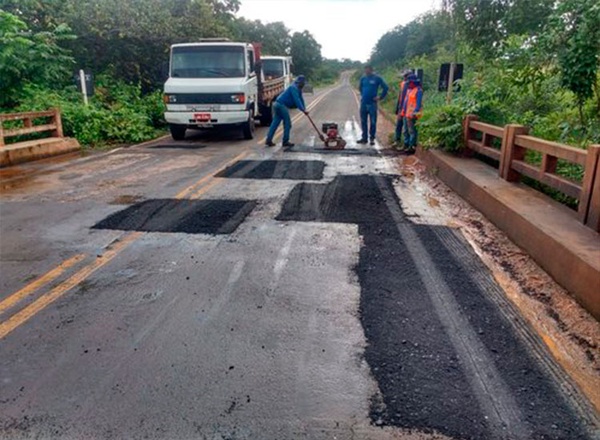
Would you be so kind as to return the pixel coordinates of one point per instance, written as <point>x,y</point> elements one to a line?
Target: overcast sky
<point>344,28</point>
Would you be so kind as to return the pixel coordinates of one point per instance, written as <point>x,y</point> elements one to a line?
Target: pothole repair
<point>423,380</point>
<point>185,216</point>
<point>275,169</point>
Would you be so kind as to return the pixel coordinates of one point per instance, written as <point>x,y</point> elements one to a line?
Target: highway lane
<point>149,294</point>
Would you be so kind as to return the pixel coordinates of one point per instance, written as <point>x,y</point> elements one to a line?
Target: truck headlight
<point>238,98</point>
<point>170,99</point>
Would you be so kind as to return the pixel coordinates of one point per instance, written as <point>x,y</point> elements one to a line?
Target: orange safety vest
<point>411,103</point>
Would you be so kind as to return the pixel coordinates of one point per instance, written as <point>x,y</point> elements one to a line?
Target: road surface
<point>216,289</point>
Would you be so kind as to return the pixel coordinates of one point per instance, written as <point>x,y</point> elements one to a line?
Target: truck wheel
<point>266,116</point>
<point>177,131</point>
<point>248,127</point>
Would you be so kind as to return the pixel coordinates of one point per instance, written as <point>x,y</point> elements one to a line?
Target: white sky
<point>344,28</point>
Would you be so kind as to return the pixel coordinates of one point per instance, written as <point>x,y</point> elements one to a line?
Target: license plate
<point>202,117</point>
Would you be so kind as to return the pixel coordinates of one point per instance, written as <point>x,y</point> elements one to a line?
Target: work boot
<point>288,144</point>
<point>372,143</point>
<point>362,141</point>
<point>407,150</point>
<point>269,144</point>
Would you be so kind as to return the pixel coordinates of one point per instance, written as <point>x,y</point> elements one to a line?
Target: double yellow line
<point>196,190</point>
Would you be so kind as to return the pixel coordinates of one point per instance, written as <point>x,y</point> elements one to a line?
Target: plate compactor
<point>329,135</point>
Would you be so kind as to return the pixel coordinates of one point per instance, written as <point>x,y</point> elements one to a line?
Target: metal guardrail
<point>52,124</point>
<point>514,141</point>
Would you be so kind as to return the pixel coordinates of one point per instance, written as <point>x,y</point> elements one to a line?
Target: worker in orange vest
<point>411,111</point>
<point>401,94</point>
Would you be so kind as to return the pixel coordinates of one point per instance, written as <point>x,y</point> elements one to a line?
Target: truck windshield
<point>273,68</point>
<point>208,62</point>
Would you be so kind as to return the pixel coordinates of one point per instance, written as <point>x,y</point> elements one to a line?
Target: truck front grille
<point>203,98</point>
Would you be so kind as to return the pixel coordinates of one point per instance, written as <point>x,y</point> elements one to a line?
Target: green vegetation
<point>529,62</point>
<point>125,44</point>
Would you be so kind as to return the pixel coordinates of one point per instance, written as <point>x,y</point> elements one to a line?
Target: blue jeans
<point>410,132</point>
<point>280,113</point>
<point>399,127</point>
<point>368,112</point>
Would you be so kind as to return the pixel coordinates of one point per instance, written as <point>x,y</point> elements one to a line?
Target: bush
<point>118,113</point>
<point>443,128</point>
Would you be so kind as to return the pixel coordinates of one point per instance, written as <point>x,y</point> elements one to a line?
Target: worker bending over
<point>411,111</point>
<point>369,87</point>
<point>291,98</point>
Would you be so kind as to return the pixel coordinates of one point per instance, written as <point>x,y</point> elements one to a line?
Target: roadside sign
<point>449,75</point>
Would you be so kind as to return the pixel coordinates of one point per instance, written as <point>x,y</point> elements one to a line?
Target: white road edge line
<point>494,397</point>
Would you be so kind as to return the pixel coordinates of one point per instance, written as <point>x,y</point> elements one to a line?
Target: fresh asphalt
<point>240,292</point>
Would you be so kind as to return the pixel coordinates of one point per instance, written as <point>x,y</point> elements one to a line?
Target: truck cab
<point>212,83</point>
<point>277,67</point>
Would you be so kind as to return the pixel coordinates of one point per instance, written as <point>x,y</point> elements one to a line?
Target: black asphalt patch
<point>422,379</point>
<point>275,169</point>
<point>187,216</point>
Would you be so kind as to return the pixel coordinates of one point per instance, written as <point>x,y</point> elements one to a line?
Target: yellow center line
<point>44,301</point>
<point>48,277</point>
<point>7,326</point>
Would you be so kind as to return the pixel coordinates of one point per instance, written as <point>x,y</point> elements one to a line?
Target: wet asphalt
<point>257,293</point>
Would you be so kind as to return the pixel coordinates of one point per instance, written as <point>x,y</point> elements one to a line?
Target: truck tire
<point>249,127</point>
<point>266,115</point>
<point>177,131</point>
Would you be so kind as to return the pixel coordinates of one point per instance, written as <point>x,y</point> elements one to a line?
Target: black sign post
<point>450,73</point>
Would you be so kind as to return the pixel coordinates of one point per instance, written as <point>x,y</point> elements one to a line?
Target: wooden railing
<point>515,142</point>
<point>51,124</point>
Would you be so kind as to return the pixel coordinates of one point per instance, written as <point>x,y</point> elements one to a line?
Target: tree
<point>306,53</point>
<point>391,47</point>
<point>275,37</point>
<point>485,23</point>
<point>421,36</point>
<point>575,32</point>
<point>30,57</point>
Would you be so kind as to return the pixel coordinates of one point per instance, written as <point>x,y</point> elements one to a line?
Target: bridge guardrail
<point>509,144</point>
<point>54,124</point>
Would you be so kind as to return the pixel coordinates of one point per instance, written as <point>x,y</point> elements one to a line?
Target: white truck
<point>277,67</point>
<point>220,83</point>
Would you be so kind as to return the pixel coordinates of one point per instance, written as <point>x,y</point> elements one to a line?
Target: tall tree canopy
<point>130,39</point>
<point>419,37</point>
<point>306,53</point>
<point>27,55</point>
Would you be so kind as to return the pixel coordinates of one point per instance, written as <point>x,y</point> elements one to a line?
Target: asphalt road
<point>216,289</point>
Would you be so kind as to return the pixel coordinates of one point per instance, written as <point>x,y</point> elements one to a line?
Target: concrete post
<point>58,131</point>
<point>589,202</point>
<point>510,152</point>
<point>467,130</point>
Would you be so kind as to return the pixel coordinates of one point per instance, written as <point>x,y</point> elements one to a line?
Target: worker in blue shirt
<point>291,98</point>
<point>369,93</point>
